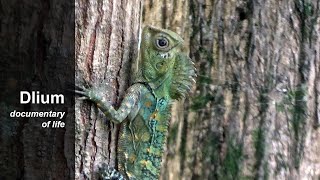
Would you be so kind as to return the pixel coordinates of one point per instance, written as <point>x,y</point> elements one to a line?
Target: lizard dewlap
<point>164,73</point>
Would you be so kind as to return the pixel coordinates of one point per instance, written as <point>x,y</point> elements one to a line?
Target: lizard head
<point>162,61</point>
<point>158,51</point>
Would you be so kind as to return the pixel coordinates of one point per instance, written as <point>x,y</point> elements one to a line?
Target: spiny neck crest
<point>183,78</point>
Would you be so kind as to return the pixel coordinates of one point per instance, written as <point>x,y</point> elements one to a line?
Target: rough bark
<point>107,34</point>
<point>255,113</point>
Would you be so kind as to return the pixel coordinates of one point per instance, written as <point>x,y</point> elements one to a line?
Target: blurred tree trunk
<point>255,111</point>
<point>107,35</point>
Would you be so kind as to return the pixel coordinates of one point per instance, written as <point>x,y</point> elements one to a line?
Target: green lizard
<point>165,73</point>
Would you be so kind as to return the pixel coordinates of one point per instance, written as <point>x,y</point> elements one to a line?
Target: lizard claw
<point>83,98</point>
<point>81,92</point>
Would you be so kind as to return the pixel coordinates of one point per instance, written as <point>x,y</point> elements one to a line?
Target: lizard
<point>164,73</point>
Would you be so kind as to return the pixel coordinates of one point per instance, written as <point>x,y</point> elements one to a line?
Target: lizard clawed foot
<point>91,93</point>
<point>88,91</point>
<point>85,93</point>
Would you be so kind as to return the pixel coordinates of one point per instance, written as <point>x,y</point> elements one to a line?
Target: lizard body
<point>164,74</point>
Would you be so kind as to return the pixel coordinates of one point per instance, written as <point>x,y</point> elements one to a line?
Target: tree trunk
<point>107,34</point>
<point>255,110</point>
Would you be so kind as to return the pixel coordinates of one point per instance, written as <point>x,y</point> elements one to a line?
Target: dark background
<point>36,54</point>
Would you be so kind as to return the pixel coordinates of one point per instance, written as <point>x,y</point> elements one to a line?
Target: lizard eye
<point>162,42</point>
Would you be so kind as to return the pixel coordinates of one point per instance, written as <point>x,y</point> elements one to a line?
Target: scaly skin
<point>164,74</point>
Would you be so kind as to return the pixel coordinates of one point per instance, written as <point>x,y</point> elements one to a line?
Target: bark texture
<point>255,111</point>
<point>107,34</point>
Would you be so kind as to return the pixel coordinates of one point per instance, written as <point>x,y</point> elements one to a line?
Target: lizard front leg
<point>127,105</point>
